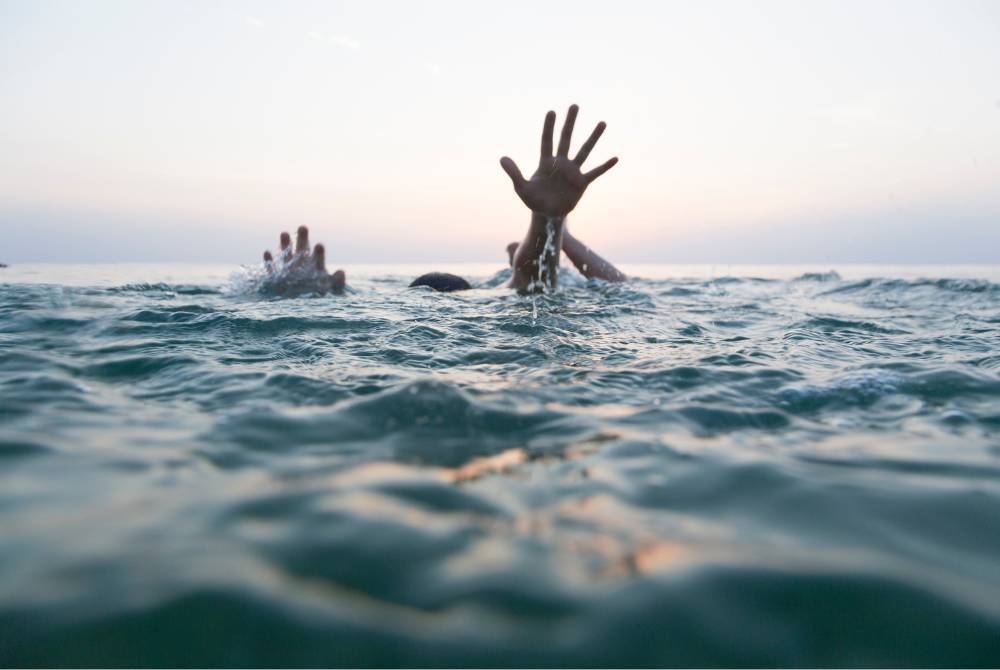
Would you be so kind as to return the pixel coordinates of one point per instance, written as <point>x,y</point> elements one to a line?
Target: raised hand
<point>304,270</point>
<point>558,183</point>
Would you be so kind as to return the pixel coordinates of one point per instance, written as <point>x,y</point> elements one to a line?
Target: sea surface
<point>728,465</point>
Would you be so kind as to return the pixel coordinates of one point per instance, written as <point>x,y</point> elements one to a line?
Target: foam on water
<point>749,467</point>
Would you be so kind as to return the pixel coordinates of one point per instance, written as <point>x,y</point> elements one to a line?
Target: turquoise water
<point>711,466</point>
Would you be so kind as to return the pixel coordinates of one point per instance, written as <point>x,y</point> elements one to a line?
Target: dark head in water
<point>441,281</point>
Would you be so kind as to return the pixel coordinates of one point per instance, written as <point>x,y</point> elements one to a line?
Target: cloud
<point>253,21</point>
<point>434,68</point>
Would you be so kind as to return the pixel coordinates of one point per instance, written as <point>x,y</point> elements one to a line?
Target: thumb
<point>510,167</point>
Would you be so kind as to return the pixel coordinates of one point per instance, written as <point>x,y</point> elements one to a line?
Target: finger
<point>286,241</point>
<point>338,280</point>
<point>547,128</point>
<point>567,131</point>
<point>511,250</point>
<point>588,146</point>
<point>302,239</point>
<point>319,258</point>
<point>600,169</point>
<point>510,167</point>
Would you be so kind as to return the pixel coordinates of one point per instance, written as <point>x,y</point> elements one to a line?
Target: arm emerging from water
<point>536,259</point>
<point>589,263</point>
<point>552,192</point>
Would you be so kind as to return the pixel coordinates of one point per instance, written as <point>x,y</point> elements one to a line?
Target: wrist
<point>539,218</point>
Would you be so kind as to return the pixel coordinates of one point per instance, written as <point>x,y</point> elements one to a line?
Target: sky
<point>748,132</point>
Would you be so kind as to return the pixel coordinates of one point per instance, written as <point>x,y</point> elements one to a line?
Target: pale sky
<point>747,131</point>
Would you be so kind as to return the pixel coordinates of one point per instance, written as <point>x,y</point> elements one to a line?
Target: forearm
<point>536,262</point>
<point>590,264</point>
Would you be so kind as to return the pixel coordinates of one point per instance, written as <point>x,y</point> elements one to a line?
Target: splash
<point>548,267</point>
<point>548,259</point>
<point>291,274</point>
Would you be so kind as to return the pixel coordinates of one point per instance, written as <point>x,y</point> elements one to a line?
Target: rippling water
<point>742,466</point>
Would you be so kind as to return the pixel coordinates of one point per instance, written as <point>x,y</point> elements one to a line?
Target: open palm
<point>558,183</point>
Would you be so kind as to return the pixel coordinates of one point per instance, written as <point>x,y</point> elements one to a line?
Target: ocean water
<point>706,466</point>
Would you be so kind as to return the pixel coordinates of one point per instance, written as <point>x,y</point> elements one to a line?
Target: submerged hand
<point>558,183</point>
<point>303,268</point>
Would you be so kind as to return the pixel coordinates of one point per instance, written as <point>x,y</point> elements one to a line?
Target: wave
<point>831,275</point>
<point>178,289</point>
<point>424,421</point>
<point>858,387</point>
<point>833,324</point>
<point>901,285</point>
<point>865,387</point>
